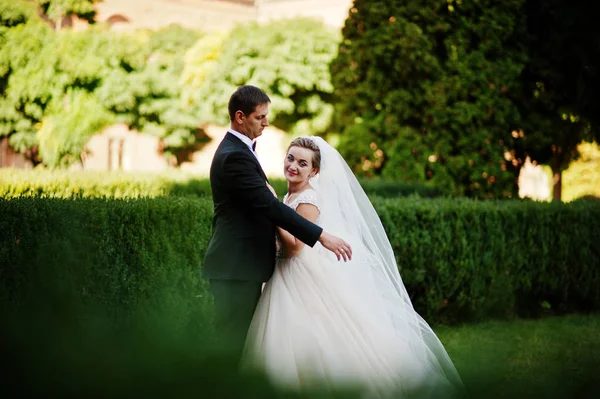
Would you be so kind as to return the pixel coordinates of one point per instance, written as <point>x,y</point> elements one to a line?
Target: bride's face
<point>297,166</point>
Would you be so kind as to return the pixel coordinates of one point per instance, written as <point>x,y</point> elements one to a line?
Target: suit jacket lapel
<point>241,144</point>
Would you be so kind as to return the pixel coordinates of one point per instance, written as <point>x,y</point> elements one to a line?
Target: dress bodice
<point>309,196</point>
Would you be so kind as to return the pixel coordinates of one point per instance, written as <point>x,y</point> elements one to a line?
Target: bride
<point>324,323</point>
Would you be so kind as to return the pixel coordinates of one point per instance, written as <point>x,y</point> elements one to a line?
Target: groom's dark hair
<point>245,99</point>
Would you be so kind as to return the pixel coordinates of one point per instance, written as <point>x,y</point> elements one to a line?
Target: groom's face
<point>252,125</point>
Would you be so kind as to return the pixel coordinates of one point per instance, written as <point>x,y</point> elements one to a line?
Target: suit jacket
<point>246,213</point>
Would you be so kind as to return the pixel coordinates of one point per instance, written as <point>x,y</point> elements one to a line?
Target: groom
<point>241,252</point>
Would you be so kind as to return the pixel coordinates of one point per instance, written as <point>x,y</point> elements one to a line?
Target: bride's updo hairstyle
<point>305,142</point>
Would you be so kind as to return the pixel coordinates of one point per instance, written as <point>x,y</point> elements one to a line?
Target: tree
<point>200,61</point>
<point>15,13</point>
<point>23,35</point>
<point>288,59</point>
<point>59,88</point>
<point>168,45</point>
<point>149,97</point>
<point>69,122</point>
<point>423,92</point>
<point>582,177</point>
<point>57,10</point>
<point>46,73</point>
<point>561,84</point>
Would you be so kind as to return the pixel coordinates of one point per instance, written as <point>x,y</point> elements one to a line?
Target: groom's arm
<point>291,245</point>
<point>247,185</point>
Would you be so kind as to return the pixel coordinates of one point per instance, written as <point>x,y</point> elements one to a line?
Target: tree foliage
<point>69,122</point>
<point>288,59</point>
<point>200,61</point>
<point>48,73</point>
<point>57,10</point>
<point>23,36</point>
<point>422,92</point>
<point>49,79</point>
<point>561,83</point>
<point>15,13</point>
<point>168,45</point>
<point>582,177</point>
<point>459,93</point>
<point>149,98</point>
<point>60,87</point>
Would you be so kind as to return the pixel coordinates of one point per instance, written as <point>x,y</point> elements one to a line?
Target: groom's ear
<point>239,116</point>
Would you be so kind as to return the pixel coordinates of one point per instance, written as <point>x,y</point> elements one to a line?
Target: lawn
<point>555,357</point>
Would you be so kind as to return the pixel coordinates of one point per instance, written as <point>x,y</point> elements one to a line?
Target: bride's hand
<point>272,190</point>
<point>339,247</point>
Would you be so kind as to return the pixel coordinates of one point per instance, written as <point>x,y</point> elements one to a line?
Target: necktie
<point>254,146</point>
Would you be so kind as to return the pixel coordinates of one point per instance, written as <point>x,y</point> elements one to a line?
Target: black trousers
<point>235,302</point>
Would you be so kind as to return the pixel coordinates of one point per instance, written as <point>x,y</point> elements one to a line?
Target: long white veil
<point>346,211</point>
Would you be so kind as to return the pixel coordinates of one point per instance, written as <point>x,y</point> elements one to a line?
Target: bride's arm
<point>291,245</point>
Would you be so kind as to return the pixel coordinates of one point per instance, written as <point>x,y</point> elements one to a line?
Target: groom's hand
<point>339,247</point>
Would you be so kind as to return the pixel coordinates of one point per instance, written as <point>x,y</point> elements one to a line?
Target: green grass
<point>555,357</point>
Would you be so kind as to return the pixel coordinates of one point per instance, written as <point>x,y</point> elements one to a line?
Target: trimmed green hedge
<point>393,189</point>
<point>468,260</point>
<point>377,188</point>
<point>109,291</point>
<point>461,260</point>
<point>104,297</point>
<point>68,184</point>
<point>116,257</point>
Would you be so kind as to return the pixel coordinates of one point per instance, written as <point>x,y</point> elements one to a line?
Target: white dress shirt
<point>245,139</point>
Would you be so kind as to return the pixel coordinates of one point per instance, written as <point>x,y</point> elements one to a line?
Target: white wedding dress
<point>321,322</point>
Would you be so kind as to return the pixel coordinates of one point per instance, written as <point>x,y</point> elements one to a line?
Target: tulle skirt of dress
<point>321,322</point>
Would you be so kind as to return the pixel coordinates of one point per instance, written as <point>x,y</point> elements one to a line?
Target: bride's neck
<point>294,188</point>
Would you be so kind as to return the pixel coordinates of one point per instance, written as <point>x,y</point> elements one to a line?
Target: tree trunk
<point>557,180</point>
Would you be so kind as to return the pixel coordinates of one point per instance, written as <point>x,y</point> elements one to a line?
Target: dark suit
<point>241,252</point>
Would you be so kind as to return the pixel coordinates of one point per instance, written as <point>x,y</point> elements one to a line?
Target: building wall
<point>9,158</point>
<point>270,150</point>
<point>216,15</point>
<point>534,182</point>
<point>118,148</point>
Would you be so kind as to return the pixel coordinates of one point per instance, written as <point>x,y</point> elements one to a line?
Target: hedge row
<point>469,260</point>
<point>116,257</point>
<point>105,295</point>
<point>461,260</point>
<point>104,298</point>
<point>68,184</point>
